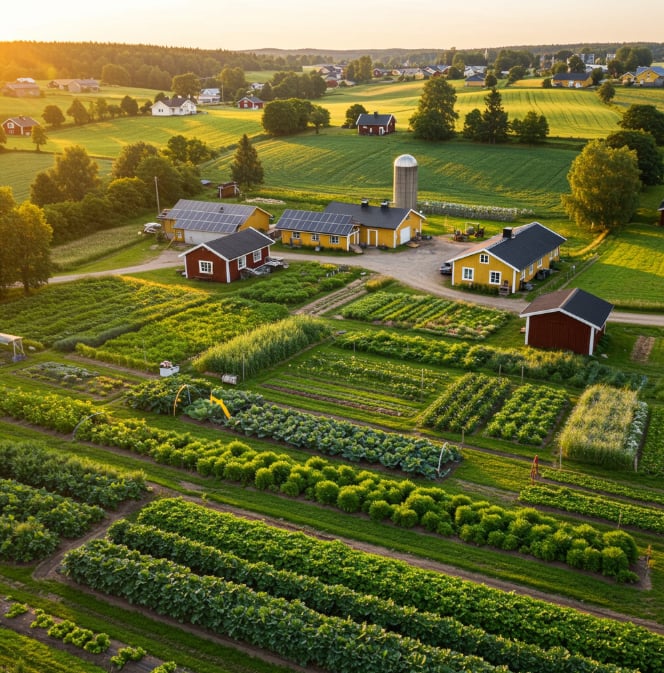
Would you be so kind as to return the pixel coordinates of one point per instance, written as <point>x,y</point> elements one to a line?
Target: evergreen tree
<point>246,168</point>
<point>435,116</point>
<point>495,124</point>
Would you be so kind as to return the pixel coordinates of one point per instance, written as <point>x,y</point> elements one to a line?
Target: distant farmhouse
<point>250,103</point>
<point>75,85</point>
<point>19,126</point>
<point>651,76</point>
<point>178,106</point>
<point>21,89</point>
<point>209,96</point>
<point>374,124</point>
<point>572,80</point>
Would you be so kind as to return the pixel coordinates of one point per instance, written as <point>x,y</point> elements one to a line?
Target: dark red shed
<point>225,259</point>
<point>570,319</point>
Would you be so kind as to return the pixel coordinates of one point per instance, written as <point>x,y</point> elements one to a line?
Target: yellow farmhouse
<point>314,229</point>
<point>508,259</point>
<point>198,222</point>
<point>381,226</point>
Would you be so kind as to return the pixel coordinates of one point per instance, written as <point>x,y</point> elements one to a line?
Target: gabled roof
<point>176,101</point>
<point>657,69</point>
<point>210,215</point>
<point>476,77</point>
<point>335,224</point>
<point>572,76</point>
<point>22,121</point>
<point>252,99</point>
<point>374,217</point>
<point>374,119</point>
<point>573,302</point>
<point>234,245</point>
<point>526,244</point>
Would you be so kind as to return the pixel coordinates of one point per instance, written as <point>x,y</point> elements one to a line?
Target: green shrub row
<point>508,614</point>
<point>288,628</point>
<point>337,600</point>
<point>68,632</point>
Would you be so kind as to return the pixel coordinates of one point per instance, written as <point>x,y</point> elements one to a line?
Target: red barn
<point>228,258</point>
<point>375,124</point>
<point>570,319</point>
<point>19,126</point>
<point>250,103</point>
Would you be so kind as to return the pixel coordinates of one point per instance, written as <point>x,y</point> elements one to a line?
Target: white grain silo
<point>405,182</point>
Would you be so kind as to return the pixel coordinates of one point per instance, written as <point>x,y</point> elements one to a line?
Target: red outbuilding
<point>572,320</point>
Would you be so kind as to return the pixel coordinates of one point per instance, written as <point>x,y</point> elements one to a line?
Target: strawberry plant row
<point>425,312</point>
<point>288,628</point>
<point>466,403</point>
<point>508,614</point>
<point>529,415</point>
<point>337,600</point>
<point>626,514</point>
<point>552,366</point>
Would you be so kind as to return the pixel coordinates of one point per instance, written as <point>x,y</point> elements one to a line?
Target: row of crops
<point>441,316</point>
<point>380,498</point>
<point>324,604</point>
<point>45,497</point>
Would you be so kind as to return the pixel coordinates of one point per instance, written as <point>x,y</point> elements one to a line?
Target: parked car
<point>446,269</point>
<point>151,228</point>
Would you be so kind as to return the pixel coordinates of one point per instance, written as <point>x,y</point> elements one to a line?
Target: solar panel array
<point>209,216</point>
<point>336,224</point>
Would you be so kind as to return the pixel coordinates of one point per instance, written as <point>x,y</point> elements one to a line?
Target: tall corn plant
<point>264,347</point>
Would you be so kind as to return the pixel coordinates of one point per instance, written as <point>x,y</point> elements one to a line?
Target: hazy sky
<point>343,24</point>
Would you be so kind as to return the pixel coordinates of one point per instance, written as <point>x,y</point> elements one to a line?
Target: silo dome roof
<point>405,161</point>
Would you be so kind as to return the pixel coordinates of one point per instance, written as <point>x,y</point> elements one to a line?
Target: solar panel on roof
<point>336,224</point>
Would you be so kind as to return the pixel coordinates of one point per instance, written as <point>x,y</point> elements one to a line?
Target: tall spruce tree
<point>246,168</point>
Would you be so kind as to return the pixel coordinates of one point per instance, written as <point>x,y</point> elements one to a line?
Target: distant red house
<point>250,103</point>
<point>226,259</point>
<point>19,126</point>
<point>570,319</point>
<point>374,124</point>
<point>227,190</point>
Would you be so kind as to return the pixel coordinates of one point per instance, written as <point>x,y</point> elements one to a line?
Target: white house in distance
<point>176,106</point>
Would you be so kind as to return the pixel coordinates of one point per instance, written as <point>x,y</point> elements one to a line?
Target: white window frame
<point>315,238</point>
<point>484,258</point>
<point>242,262</point>
<point>531,270</point>
<point>334,240</point>
<point>295,235</point>
<point>205,266</point>
<point>495,277</point>
<point>467,273</point>
<point>540,263</point>
<point>257,255</point>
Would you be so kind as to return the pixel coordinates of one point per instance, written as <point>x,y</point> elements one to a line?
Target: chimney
<point>385,204</point>
<point>507,232</point>
<point>375,114</point>
<point>364,203</point>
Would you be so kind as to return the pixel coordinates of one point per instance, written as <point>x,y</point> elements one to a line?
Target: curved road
<point>417,267</point>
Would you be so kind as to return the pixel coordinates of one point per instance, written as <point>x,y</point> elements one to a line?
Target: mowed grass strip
<point>630,271</point>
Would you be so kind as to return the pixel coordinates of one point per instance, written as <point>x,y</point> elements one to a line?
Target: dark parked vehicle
<point>446,268</point>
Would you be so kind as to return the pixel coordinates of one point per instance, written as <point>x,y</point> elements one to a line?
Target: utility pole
<point>156,190</point>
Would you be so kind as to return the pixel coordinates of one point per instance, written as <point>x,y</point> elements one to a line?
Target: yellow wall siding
<point>259,220</point>
<point>306,240</point>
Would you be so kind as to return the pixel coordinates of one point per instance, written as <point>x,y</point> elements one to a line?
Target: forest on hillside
<point>153,66</point>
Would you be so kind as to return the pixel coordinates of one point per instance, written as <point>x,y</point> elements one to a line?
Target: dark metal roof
<point>235,245</point>
<point>574,76</point>
<point>526,245</point>
<point>336,224</point>
<point>209,216</point>
<point>22,121</point>
<point>374,119</point>
<point>374,217</point>
<point>574,302</point>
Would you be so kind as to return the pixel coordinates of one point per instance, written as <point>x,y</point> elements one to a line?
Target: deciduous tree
<point>39,137</point>
<point>604,186</point>
<point>130,156</point>
<point>78,113</point>
<point>319,117</point>
<point>532,129</point>
<point>53,116</point>
<point>435,117</point>
<point>649,157</point>
<point>75,173</point>
<point>129,106</point>
<point>352,113</point>
<point>606,92</point>
<point>644,118</point>
<point>187,85</point>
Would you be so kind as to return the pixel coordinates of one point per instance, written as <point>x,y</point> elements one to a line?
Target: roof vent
<point>221,209</point>
<point>385,204</point>
<point>375,114</point>
<point>507,232</point>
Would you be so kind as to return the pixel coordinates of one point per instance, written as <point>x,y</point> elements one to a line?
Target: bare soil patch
<point>642,348</point>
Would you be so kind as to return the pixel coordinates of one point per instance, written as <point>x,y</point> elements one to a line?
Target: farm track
<point>416,267</point>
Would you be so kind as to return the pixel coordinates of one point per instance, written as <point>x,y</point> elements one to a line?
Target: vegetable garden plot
<point>476,605</point>
<point>94,309</point>
<point>442,316</point>
<point>529,415</point>
<point>467,403</point>
<point>652,456</point>
<point>185,334</point>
